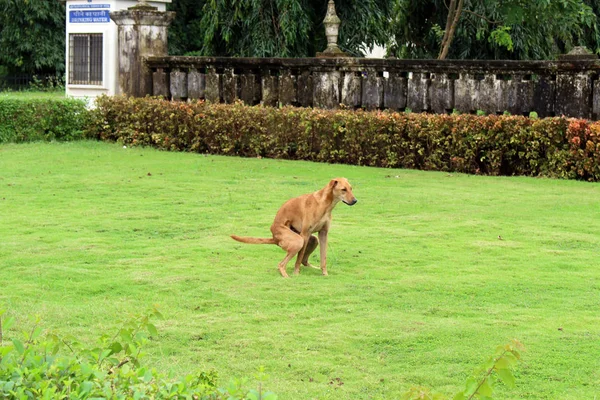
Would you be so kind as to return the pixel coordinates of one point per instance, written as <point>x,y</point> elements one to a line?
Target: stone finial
<point>332,28</point>
<point>142,5</point>
<point>578,53</point>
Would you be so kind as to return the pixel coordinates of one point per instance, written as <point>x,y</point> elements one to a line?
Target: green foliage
<point>32,36</point>
<point>37,84</point>
<point>511,29</point>
<point>23,119</point>
<point>49,84</point>
<point>591,33</point>
<point>273,28</point>
<point>480,385</point>
<point>490,145</point>
<point>260,28</point>
<point>186,36</point>
<point>35,367</point>
<point>497,368</point>
<point>501,37</point>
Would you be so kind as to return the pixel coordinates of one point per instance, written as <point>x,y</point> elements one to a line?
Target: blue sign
<point>89,16</point>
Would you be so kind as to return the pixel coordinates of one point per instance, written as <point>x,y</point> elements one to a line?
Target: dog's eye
<point>344,189</point>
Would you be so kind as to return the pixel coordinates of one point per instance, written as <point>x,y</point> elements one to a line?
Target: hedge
<point>23,120</point>
<point>492,145</point>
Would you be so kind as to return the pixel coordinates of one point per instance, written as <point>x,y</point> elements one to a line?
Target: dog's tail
<point>252,240</point>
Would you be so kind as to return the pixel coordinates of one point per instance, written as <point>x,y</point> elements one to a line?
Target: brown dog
<point>299,218</point>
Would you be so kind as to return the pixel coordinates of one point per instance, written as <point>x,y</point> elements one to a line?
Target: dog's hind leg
<point>292,243</point>
<point>305,241</point>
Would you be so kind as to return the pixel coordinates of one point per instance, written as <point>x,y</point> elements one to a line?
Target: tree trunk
<point>454,12</point>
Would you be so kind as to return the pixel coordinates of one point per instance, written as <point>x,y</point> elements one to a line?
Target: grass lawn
<point>429,272</point>
<point>28,95</point>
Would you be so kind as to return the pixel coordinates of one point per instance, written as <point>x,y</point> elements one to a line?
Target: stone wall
<point>565,87</point>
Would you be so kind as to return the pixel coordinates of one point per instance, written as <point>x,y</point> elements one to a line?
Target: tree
<point>32,35</point>
<point>504,29</point>
<point>591,36</point>
<point>454,13</point>
<point>185,33</point>
<point>274,28</point>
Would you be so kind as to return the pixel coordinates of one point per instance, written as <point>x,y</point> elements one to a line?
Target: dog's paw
<point>311,266</point>
<point>283,273</point>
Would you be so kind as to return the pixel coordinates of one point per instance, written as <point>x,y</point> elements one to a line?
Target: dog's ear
<point>332,183</point>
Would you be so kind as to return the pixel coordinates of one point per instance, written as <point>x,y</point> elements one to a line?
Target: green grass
<point>29,95</point>
<point>421,289</point>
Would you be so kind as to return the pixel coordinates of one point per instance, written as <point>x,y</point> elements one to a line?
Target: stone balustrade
<point>565,87</point>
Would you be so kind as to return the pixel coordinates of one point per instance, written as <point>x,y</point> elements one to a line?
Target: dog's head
<point>342,191</point>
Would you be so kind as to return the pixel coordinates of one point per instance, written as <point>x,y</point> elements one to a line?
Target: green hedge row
<point>23,120</point>
<point>493,145</point>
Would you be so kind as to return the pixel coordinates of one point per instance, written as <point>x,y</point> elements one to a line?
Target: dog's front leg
<point>323,250</point>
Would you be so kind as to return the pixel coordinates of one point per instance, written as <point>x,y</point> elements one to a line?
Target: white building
<point>91,46</point>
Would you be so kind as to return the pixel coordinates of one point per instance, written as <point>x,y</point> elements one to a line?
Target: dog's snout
<point>352,202</point>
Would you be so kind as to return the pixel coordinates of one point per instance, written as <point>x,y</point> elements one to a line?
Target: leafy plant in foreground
<point>36,368</point>
<point>480,385</point>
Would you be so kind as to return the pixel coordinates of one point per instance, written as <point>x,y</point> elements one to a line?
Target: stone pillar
<point>326,89</point>
<point>574,89</point>
<point>395,90</point>
<point>142,31</point>
<point>351,89</point>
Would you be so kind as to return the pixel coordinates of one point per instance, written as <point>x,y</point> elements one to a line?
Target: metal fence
<point>28,81</point>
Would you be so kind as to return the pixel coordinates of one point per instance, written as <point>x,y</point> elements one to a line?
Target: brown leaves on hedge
<point>492,145</point>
